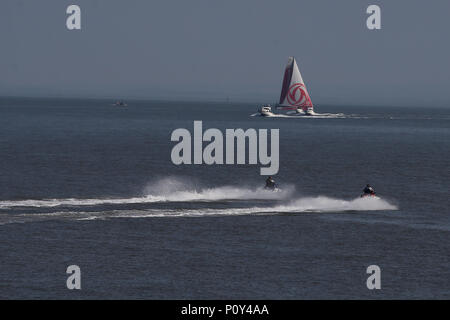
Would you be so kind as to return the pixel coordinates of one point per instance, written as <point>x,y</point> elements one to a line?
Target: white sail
<point>294,95</point>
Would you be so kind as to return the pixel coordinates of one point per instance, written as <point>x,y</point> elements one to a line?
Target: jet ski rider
<point>368,190</point>
<point>270,183</point>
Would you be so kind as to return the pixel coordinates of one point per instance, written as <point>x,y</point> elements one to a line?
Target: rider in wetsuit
<point>368,190</point>
<point>270,183</point>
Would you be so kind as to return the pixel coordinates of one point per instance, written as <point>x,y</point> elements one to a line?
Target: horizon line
<point>209,100</point>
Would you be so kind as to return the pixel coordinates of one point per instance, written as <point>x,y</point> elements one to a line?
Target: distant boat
<point>294,95</point>
<point>266,110</point>
<point>120,103</point>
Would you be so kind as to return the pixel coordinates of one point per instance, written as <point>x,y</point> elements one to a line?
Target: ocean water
<point>86,183</point>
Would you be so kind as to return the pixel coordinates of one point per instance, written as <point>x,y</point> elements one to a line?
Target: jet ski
<point>369,195</point>
<point>273,188</point>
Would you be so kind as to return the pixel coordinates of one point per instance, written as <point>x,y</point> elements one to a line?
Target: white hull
<point>267,114</point>
<point>301,112</point>
<point>309,112</point>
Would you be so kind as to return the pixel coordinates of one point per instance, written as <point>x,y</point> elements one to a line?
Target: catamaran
<point>294,95</point>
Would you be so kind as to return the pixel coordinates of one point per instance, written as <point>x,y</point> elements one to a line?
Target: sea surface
<point>87,183</point>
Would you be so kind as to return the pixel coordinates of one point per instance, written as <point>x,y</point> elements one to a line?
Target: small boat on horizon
<point>120,103</point>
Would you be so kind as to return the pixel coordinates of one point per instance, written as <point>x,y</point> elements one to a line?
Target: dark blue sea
<point>87,183</point>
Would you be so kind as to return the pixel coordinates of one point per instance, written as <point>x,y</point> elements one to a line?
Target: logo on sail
<point>297,96</point>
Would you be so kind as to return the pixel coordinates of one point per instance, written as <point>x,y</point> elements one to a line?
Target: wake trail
<point>175,189</point>
<point>318,204</point>
<point>311,205</point>
<point>162,194</point>
<point>315,116</point>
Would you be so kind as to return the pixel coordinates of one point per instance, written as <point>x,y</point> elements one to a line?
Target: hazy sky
<point>212,49</point>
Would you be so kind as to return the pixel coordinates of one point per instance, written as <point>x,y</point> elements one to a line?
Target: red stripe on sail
<point>298,96</point>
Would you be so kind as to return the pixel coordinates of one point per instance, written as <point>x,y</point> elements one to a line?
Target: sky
<point>211,50</point>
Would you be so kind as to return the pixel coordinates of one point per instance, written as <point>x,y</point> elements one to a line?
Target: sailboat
<point>294,95</point>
